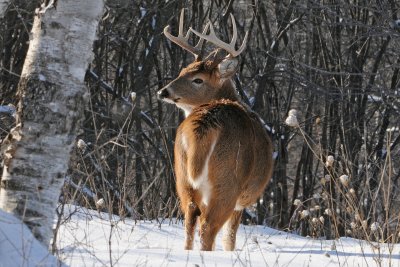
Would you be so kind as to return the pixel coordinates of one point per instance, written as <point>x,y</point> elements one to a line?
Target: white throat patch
<point>186,108</point>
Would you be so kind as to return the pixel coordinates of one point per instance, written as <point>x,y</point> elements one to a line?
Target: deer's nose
<point>163,93</point>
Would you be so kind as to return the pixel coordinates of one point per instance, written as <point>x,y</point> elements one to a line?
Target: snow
<point>18,247</point>
<point>143,12</point>
<point>91,238</point>
<point>374,98</point>
<point>42,78</point>
<point>85,240</point>
<point>9,109</point>
<point>153,22</point>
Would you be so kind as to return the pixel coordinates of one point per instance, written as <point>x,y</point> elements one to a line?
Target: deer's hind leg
<point>211,221</point>
<point>230,229</point>
<point>191,214</point>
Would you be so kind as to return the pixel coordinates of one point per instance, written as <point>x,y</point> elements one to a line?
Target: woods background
<point>335,62</point>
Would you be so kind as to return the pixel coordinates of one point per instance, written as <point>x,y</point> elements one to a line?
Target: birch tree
<point>52,97</point>
<point>3,7</point>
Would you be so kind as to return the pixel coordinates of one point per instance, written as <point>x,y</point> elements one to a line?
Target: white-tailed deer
<point>223,154</point>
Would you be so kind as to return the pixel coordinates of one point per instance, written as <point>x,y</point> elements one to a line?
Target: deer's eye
<point>197,81</point>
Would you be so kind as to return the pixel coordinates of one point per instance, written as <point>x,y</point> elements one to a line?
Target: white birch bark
<point>52,98</point>
<point>3,7</point>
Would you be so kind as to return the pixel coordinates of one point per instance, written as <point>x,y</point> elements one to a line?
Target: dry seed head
<point>100,203</point>
<point>304,214</point>
<point>81,145</point>
<point>374,227</point>
<point>348,231</point>
<point>292,121</point>
<point>364,224</point>
<point>132,96</point>
<point>317,207</point>
<point>323,181</point>
<point>353,225</point>
<point>322,219</point>
<point>328,212</point>
<point>292,112</point>
<point>344,179</point>
<point>315,221</point>
<point>297,202</point>
<point>357,217</point>
<point>352,191</point>
<point>329,161</point>
<point>328,164</point>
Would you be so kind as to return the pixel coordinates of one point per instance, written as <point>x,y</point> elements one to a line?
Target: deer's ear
<point>228,67</point>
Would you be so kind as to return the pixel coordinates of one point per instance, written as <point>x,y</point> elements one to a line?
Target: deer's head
<point>205,79</point>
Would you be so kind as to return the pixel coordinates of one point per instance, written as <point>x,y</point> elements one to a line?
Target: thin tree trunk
<point>52,99</point>
<point>3,7</point>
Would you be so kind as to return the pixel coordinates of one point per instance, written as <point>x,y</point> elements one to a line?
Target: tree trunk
<point>52,98</point>
<point>3,7</point>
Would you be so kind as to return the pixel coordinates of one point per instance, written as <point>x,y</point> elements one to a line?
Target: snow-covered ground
<point>87,238</point>
<point>18,247</point>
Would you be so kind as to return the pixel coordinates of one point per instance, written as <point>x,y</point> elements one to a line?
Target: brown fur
<point>239,166</point>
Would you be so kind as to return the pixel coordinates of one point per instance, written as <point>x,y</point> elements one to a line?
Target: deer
<point>222,152</point>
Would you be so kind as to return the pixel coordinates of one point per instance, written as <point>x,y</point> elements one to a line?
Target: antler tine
<point>230,48</point>
<point>183,41</point>
<point>234,37</point>
<point>201,41</point>
<point>181,19</point>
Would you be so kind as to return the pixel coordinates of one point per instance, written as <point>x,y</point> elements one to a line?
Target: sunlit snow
<point>90,238</point>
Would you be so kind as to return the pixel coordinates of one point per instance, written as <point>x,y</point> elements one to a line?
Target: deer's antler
<point>183,41</point>
<point>230,48</point>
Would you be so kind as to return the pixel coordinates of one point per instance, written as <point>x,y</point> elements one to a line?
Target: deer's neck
<point>227,91</point>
